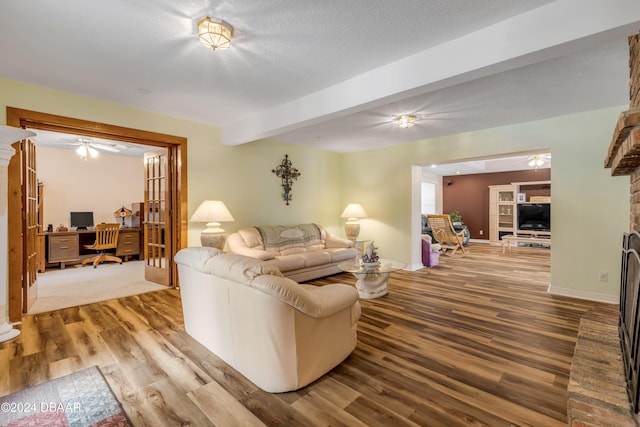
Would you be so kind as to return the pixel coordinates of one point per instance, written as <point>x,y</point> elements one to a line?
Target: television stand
<point>521,236</point>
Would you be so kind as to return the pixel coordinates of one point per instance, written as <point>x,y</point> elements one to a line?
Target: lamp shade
<point>353,210</point>
<point>212,211</point>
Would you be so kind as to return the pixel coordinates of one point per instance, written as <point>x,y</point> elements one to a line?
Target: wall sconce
<point>213,212</point>
<point>352,212</point>
<point>287,174</point>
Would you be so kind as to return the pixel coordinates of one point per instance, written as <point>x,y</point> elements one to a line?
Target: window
<point>428,198</point>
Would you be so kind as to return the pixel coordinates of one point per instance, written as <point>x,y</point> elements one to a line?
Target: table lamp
<point>213,212</point>
<point>352,212</point>
<point>122,213</point>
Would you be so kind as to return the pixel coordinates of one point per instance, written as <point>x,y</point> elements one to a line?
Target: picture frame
<point>522,197</point>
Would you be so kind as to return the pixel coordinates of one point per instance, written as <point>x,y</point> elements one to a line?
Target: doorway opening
<point>176,189</point>
<point>481,169</point>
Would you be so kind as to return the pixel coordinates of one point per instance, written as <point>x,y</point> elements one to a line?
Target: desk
<point>540,237</point>
<point>63,247</point>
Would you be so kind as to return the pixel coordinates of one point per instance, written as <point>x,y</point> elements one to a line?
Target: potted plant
<point>456,218</point>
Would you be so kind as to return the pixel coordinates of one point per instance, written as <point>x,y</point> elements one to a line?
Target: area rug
<point>80,399</point>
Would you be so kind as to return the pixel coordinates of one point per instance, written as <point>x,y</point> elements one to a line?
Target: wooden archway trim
<point>37,120</point>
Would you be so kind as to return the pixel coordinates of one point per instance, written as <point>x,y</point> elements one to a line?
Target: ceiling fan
<point>88,146</point>
<point>539,160</point>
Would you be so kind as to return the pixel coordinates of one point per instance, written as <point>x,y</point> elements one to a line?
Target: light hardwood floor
<point>476,341</point>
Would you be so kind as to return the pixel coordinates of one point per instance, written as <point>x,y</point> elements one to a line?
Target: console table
<point>66,247</point>
<point>541,237</point>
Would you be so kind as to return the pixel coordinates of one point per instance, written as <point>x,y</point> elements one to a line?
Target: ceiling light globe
<point>214,33</point>
<point>92,151</point>
<point>406,121</point>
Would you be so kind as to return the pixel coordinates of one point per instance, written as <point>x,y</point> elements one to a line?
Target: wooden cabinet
<point>128,243</point>
<point>502,211</point>
<point>63,247</point>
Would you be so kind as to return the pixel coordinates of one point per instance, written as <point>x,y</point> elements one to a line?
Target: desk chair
<point>106,238</point>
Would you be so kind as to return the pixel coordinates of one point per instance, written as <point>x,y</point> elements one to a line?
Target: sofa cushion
<point>288,262</point>
<point>197,257</point>
<point>314,258</point>
<point>313,301</point>
<point>234,267</point>
<point>341,254</point>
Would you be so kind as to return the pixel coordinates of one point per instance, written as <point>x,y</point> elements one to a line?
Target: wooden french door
<point>158,203</point>
<point>23,188</point>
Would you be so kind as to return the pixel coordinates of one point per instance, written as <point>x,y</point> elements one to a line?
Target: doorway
<point>480,169</point>
<point>176,187</point>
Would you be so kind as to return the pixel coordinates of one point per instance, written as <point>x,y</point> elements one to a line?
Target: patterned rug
<point>79,399</point>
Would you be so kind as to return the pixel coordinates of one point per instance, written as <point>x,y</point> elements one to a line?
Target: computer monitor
<point>81,220</point>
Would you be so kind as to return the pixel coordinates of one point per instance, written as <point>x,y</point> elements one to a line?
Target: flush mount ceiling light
<point>406,121</point>
<point>215,33</point>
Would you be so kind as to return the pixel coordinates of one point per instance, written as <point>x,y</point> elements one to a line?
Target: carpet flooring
<point>78,285</point>
<point>81,399</point>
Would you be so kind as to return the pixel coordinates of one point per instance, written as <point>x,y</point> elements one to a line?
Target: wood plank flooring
<point>476,341</point>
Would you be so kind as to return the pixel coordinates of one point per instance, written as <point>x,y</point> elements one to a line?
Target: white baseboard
<point>479,241</point>
<point>586,295</point>
<point>414,267</point>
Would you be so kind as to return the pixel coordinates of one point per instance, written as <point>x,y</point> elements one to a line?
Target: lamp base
<point>213,236</point>
<point>352,229</point>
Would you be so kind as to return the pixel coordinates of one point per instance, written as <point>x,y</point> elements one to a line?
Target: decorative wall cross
<point>287,174</point>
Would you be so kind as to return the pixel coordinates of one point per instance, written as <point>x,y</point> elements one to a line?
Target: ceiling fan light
<point>82,151</point>
<point>92,151</point>
<point>214,33</point>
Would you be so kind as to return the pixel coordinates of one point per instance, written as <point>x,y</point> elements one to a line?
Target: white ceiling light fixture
<point>215,33</point>
<point>85,148</point>
<point>406,121</point>
<point>538,160</point>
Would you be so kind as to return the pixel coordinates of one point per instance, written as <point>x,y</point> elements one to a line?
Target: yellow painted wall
<point>589,214</point>
<point>590,209</point>
<point>240,176</point>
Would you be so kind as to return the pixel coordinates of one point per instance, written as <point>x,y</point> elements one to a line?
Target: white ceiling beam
<point>549,31</point>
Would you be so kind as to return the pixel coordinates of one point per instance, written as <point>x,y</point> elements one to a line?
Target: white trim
<point>524,184</point>
<point>414,267</point>
<point>586,295</point>
<point>479,241</point>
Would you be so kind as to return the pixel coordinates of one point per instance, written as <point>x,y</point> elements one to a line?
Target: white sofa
<point>301,252</point>
<point>279,334</point>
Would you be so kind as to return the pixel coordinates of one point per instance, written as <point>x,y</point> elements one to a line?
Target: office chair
<point>106,238</point>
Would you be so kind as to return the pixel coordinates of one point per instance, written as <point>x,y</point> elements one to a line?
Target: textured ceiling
<point>330,74</point>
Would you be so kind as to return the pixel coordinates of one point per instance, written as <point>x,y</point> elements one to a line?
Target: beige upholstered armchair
<point>279,334</point>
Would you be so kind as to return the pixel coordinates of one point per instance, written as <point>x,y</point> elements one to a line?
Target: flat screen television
<point>534,216</point>
<point>81,220</point>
